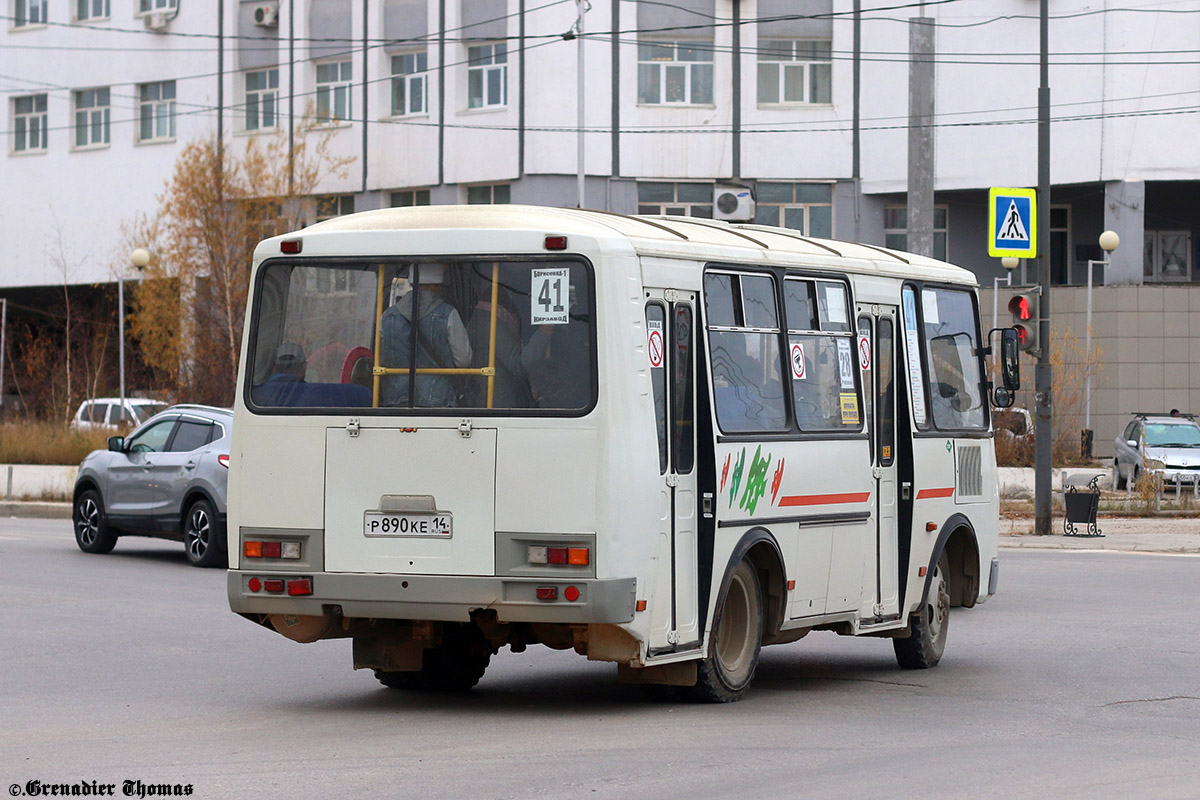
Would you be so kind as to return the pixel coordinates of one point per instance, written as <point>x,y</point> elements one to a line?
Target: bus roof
<point>666,236</point>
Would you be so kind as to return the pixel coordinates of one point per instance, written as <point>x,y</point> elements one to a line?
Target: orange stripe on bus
<point>823,499</point>
<point>921,495</point>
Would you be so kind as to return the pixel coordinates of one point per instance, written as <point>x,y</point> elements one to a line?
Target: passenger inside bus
<point>555,361</point>
<point>287,385</point>
<point>441,343</point>
<point>510,386</point>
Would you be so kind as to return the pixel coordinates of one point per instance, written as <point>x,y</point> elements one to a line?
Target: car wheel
<point>92,532</point>
<point>203,536</point>
<point>927,641</point>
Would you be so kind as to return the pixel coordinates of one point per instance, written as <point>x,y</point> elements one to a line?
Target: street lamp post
<point>1109,241</point>
<point>1009,263</point>
<point>140,257</point>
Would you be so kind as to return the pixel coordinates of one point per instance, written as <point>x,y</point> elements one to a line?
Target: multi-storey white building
<point>804,102</point>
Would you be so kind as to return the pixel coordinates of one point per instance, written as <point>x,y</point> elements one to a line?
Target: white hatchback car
<point>108,412</point>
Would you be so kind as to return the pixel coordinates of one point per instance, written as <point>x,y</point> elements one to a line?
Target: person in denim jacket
<point>442,342</point>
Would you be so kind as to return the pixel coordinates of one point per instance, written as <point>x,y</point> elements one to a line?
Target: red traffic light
<point>1022,336</point>
<point>1019,308</point>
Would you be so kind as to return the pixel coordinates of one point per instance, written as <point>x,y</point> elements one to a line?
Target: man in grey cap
<point>441,343</point>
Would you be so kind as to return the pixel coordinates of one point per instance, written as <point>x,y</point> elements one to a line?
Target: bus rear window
<point>489,335</point>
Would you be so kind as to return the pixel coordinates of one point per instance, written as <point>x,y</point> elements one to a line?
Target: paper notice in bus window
<point>845,363</point>
<point>930,306</point>
<point>849,408</point>
<point>835,305</point>
<point>916,381</point>
<point>550,296</point>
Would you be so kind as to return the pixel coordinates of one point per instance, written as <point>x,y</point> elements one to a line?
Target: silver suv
<point>1173,441</point>
<point>166,479</point>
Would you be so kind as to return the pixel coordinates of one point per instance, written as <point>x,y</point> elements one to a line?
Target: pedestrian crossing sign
<point>1012,223</point>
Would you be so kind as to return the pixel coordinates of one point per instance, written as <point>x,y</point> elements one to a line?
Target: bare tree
<point>189,310</point>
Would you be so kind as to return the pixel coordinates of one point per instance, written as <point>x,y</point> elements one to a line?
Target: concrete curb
<point>34,509</point>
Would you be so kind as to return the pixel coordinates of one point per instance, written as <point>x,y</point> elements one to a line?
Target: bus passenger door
<point>670,346</point>
<point>877,358</point>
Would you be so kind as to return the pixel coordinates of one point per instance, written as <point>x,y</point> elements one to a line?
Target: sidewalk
<point>1126,534</point>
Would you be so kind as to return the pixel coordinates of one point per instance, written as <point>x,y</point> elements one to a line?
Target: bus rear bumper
<point>448,598</point>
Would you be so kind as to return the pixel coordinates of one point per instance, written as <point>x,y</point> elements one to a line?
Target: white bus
<point>660,441</point>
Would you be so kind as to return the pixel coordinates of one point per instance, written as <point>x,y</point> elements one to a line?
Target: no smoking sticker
<point>798,361</point>
<point>654,343</point>
<point>864,353</point>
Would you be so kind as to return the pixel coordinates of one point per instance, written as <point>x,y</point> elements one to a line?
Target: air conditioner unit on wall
<point>733,202</point>
<point>266,15</point>
<point>156,21</point>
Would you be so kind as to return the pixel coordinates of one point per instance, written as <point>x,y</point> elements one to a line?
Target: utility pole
<point>581,9</point>
<point>920,135</point>
<point>1043,378</point>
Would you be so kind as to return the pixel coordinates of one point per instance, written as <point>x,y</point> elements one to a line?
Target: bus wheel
<point>725,674</point>
<point>399,680</point>
<point>927,641</point>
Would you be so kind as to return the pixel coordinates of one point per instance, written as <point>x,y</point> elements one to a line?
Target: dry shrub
<point>47,443</point>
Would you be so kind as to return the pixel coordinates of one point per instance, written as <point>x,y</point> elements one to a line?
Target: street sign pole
<point>1043,377</point>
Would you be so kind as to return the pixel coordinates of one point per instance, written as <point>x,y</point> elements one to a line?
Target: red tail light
<point>223,460</point>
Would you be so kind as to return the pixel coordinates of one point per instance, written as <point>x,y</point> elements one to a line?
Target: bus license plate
<point>437,526</point>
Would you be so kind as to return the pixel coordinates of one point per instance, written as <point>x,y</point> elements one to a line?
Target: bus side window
<point>743,340</point>
<point>823,371</point>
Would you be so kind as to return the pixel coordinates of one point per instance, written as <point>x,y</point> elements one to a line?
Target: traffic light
<point>1025,308</point>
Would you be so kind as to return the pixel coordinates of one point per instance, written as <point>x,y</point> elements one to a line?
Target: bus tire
<point>92,531</point>
<point>399,680</point>
<point>927,638</point>
<point>726,672</point>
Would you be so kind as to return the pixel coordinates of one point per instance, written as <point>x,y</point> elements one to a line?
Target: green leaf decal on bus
<point>756,481</point>
<point>736,480</point>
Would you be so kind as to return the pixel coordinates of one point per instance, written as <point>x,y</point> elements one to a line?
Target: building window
<point>804,207</point>
<point>29,123</point>
<point>91,9</point>
<point>1060,245</point>
<point>895,229</point>
<point>413,197</point>
<point>491,194</point>
<point>487,75</point>
<point>156,111</point>
<point>91,117</point>
<point>409,80</point>
<point>675,73</point>
<point>794,71</point>
<point>1167,255</point>
<point>333,281</point>
<point>333,91</point>
<point>676,199</point>
<point>334,205</point>
<point>29,12</point>
<point>145,6</point>
<point>262,99</point>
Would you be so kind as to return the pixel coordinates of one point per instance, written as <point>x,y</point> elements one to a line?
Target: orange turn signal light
<point>252,549</point>
<point>577,555</point>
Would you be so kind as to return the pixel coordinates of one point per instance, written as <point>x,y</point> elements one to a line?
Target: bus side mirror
<point>1010,367</point>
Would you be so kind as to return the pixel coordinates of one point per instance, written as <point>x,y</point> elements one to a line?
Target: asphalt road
<point>1079,680</point>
